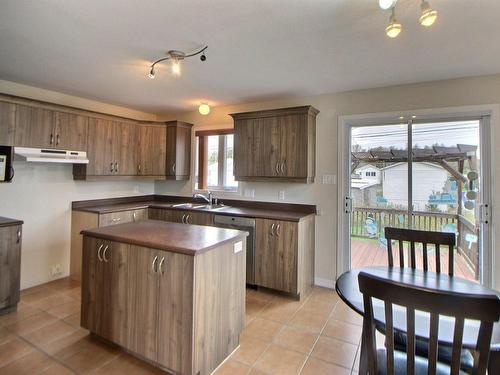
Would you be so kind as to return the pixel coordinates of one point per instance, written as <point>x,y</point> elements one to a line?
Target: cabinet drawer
<point>122,217</point>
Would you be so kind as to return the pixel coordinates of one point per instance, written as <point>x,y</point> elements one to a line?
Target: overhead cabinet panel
<point>34,127</point>
<point>7,123</point>
<point>152,153</point>
<point>275,145</point>
<point>71,131</point>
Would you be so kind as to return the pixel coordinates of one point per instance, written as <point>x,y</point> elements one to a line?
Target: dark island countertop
<point>161,235</point>
<point>7,222</point>
<point>263,210</point>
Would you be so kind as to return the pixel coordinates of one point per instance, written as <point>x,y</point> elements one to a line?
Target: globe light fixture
<point>204,109</point>
<point>387,4</point>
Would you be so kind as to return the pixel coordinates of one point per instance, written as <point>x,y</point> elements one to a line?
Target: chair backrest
<point>485,308</point>
<point>425,238</point>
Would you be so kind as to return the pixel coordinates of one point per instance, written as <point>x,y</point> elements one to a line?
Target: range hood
<point>42,155</point>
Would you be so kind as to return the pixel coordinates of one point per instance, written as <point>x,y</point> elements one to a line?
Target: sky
<point>445,133</point>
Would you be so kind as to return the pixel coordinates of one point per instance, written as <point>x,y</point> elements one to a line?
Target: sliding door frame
<point>487,114</point>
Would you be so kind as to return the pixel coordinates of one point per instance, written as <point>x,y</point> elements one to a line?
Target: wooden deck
<point>367,252</point>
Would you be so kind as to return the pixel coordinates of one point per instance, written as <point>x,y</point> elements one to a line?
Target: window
<point>370,174</point>
<point>215,160</point>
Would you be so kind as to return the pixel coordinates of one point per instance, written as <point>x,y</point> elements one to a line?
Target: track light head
<point>428,16</point>
<point>203,57</point>
<point>152,73</point>
<point>394,28</point>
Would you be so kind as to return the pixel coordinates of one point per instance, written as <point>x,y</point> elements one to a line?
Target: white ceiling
<point>258,49</point>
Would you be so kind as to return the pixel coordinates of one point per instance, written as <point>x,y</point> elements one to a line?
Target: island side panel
<point>79,221</point>
<point>306,251</point>
<point>219,300</point>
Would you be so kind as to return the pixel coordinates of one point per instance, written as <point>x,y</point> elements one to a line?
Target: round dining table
<point>348,290</point>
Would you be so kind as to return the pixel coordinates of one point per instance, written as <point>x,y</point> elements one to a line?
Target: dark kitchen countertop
<point>263,210</point>
<point>7,222</point>
<point>162,235</point>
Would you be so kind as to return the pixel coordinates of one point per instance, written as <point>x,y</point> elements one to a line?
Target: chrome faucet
<point>207,198</point>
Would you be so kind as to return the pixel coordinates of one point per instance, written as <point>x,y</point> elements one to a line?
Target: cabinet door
<point>199,218</point>
<point>160,214</point>
<point>293,146</point>
<point>125,149</point>
<point>10,265</point>
<point>143,301</point>
<point>266,153</point>
<point>140,215</point>
<point>178,151</point>
<point>7,123</point>
<point>243,147</point>
<point>113,293</point>
<point>175,319</point>
<point>34,127</point>
<point>71,131</point>
<point>276,255</point>
<point>100,147</point>
<point>152,150</point>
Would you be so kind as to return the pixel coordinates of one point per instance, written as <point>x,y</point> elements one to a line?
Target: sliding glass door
<point>436,184</point>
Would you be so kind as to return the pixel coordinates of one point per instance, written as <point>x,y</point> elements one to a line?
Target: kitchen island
<point>169,293</point>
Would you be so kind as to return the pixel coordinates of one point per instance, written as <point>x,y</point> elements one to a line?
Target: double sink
<point>197,206</point>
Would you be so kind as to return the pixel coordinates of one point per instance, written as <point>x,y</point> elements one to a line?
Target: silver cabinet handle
<point>111,167</point>
<point>57,139</point>
<point>19,236</point>
<point>187,218</point>
<point>134,216</point>
<point>282,168</point>
<point>272,229</point>
<point>51,138</point>
<point>160,267</point>
<point>183,218</point>
<point>153,265</point>
<point>99,252</point>
<point>104,254</point>
<point>116,167</point>
<point>116,219</point>
<point>139,168</point>
<point>278,230</point>
<point>173,168</point>
<point>277,168</point>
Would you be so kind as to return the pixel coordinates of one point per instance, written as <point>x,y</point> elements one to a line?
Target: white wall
<point>448,93</point>
<point>41,194</point>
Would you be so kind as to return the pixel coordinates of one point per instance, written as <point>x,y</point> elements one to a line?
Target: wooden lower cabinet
<point>10,266</point>
<point>181,216</point>
<point>284,255</point>
<point>164,306</point>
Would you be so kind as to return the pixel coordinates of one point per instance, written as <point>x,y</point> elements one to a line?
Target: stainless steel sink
<point>197,206</point>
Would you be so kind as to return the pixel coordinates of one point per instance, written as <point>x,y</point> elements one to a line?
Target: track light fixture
<point>175,58</point>
<point>427,17</point>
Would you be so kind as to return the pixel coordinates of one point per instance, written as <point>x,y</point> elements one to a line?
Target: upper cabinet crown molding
<point>275,145</point>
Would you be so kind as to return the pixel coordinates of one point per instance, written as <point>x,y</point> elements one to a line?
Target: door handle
<point>277,168</point>
<point>134,216</point>
<point>160,267</point>
<point>282,168</point>
<point>18,236</point>
<point>183,218</point>
<point>278,230</point>
<point>111,167</point>
<point>51,138</point>
<point>173,168</point>
<point>104,254</point>
<point>153,265</point>
<point>57,139</point>
<point>272,229</point>
<point>116,219</point>
<point>116,167</point>
<point>99,253</point>
<point>187,219</point>
<point>139,168</point>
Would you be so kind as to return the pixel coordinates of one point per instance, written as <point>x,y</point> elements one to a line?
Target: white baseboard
<point>325,283</point>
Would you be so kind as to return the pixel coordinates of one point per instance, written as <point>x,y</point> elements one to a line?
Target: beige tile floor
<point>318,335</point>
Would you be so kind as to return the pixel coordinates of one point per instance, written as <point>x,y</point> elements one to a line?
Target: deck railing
<point>370,222</point>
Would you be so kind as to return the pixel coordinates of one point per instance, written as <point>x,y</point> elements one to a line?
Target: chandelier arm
<point>160,60</point>
<point>196,53</point>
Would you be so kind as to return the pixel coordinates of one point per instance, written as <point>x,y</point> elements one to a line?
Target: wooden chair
<point>485,308</point>
<point>425,238</point>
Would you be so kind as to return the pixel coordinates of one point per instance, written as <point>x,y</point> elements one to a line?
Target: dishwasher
<point>245,224</point>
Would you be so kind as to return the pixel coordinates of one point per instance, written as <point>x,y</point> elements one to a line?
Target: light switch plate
<point>238,246</point>
<point>281,195</point>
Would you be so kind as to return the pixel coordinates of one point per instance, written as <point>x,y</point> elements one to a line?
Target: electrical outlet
<point>55,270</point>
<point>281,195</point>
<point>250,193</point>
<point>329,179</point>
<point>319,211</point>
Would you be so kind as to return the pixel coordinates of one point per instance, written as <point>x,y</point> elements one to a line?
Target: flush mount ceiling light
<point>427,17</point>
<point>204,109</point>
<point>387,4</point>
<point>175,58</point>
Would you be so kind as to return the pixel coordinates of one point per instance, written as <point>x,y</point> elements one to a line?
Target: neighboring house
<point>369,172</point>
<point>428,178</point>
<point>365,183</point>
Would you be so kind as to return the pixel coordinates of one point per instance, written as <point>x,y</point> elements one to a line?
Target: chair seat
<point>444,352</point>
<point>400,364</point>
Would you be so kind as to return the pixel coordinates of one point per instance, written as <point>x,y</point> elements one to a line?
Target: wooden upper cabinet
<point>178,162</point>
<point>7,123</point>
<point>152,153</point>
<point>71,131</point>
<point>34,127</point>
<point>275,145</point>
<point>101,134</point>
<point>125,149</point>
